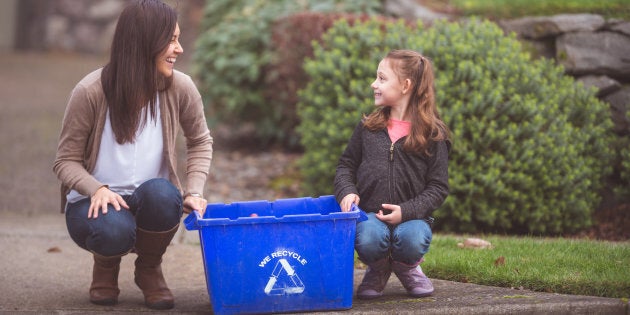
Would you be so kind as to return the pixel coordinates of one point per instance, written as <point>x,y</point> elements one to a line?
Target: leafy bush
<point>338,93</point>
<point>530,145</point>
<point>622,167</point>
<point>625,170</point>
<point>291,38</point>
<point>234,50</point>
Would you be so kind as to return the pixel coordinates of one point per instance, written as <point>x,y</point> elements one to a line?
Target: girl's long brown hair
<point>426,124</point>
<point>131,80</point>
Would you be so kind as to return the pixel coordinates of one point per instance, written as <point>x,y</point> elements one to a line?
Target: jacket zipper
<point>391,171</point>
<point>391,152</point>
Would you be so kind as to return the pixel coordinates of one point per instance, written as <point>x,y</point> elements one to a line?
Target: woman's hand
<point>192,203</point>
<point>347,201</point>
<point>395,217</point>
<point>101,198</point>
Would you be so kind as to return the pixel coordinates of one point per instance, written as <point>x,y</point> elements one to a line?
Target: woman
<point>116,157</point>
<point>395,167</point>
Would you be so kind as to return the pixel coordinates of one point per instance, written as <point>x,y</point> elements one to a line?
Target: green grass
<point>520,8</point>
<point>568,266</point>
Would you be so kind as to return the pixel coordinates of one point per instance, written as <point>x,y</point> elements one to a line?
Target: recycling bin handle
<point>362,214</point>
<point>192,220</point>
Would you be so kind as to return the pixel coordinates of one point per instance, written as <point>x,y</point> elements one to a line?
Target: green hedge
<point>622,167</point>
<point>233,54</point>
<point>531,146</point>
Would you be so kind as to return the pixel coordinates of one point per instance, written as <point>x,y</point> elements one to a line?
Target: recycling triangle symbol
<point>284,280</point>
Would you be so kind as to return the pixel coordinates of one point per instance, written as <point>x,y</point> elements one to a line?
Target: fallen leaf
<point>500,261</point>
<point>54,249</point>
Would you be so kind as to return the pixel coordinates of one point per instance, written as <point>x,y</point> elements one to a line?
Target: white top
<point>124,167</point>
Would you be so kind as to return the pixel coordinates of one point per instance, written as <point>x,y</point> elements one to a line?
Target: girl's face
<point>388,90</point>
<point>166,60</point>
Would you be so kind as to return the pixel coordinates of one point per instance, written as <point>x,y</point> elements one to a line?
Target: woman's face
<point>388,90</point>
<point>166,60</point>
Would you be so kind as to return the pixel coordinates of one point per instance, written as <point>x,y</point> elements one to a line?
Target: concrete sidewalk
<point>43,272</point>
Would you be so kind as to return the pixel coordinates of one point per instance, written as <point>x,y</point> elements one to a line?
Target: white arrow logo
<point>284,280</point>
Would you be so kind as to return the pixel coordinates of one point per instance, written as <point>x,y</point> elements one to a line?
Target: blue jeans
<point>407,242</point>
<point>155,206</point>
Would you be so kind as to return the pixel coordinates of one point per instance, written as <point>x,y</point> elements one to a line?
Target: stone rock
<point>85,34</point>
<point>106,10</point>
<point>475,243</point>
<point>106,37</point>
<point>604,84</point>
<point>72,8</point>
<point>619,104</point>
<point>539,27</point>
<point>620,26</point>
<point>411,9</point>
<point>56,31</point>
<point>540,48</point>
<point>601,53</point>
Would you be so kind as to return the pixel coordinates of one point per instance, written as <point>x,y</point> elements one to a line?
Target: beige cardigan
<point>83,124</point>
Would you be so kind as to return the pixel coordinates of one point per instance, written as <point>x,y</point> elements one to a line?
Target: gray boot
<point>413,279</point>
<point>375,279</point>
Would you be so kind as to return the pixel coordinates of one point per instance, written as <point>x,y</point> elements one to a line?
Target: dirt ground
<point>35,88</point>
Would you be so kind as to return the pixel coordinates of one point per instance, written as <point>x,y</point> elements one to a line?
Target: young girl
<point>116,154</point>
<point>395,167</point>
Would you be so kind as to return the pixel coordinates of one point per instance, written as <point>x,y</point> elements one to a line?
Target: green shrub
<point>624,190</point>
<point>291,38</point>
<point>622,167</point>
<point>530,145</point>
<point>233,52</point>
<point>338,93</point>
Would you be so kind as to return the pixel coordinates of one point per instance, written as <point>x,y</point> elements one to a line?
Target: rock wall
<point>592,49</point>
<point>87,26</point>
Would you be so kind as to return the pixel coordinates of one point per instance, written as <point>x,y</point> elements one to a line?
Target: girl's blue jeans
<point>156,206</point>
<point>406,242</point>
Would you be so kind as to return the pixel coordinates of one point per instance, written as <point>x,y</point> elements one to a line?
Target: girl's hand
<point>347,201</point>
<point>195,203</point>
<point>395,217</point>
<point>101,198</point>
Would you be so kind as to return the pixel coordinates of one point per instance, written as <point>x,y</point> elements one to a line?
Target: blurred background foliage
<point>240,68</point>
<point>530,144</point>
<point>532,147</point>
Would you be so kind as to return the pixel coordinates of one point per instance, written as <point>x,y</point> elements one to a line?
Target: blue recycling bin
<point>288,255</point>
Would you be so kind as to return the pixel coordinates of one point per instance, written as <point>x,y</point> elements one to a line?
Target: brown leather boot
<point>104,289</point>
<point>150,246</point>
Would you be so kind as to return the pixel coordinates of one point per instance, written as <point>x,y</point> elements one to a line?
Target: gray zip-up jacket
<point>380,171</point>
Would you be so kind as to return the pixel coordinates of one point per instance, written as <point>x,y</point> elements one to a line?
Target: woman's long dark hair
<point>426,124</point>
<point>131,80</point>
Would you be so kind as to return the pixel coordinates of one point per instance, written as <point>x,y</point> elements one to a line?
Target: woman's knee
<point>116,241</point>
<point>114,233</point>
<point>157,194</point>
<point>159,205</point>
<point>159,191</point>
